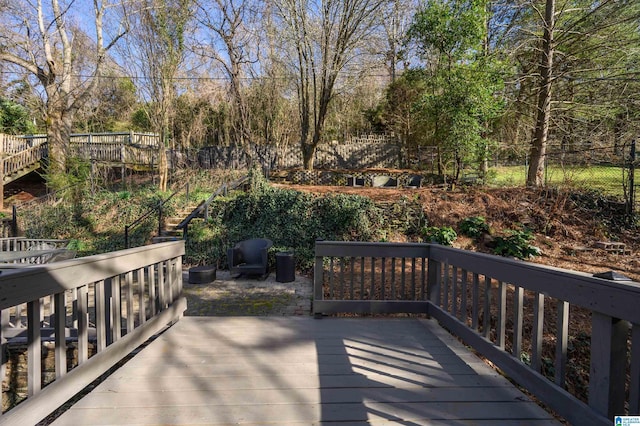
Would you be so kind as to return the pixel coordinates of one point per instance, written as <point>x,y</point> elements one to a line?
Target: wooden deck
<point>285,370</point>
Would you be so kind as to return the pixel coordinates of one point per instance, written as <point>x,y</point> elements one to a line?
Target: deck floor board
<point>248,370</point>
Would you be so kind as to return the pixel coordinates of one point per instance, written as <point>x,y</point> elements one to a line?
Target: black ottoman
<point>202,274</point>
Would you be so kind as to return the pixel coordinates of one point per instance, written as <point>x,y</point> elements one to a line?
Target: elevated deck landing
<point>297,370</point>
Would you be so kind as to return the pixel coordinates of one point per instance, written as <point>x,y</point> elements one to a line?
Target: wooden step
<point>164,239</point>
<point>171,233</point>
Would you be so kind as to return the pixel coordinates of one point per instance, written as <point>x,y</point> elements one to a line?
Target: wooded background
<point>471,80</point>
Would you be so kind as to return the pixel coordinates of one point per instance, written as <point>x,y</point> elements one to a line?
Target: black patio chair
<point>249,257</point>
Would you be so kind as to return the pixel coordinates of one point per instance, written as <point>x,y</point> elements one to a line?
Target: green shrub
<point>474,227</point>
<point>445,235</point>
<point>516,244</point>
<point>293,219</point>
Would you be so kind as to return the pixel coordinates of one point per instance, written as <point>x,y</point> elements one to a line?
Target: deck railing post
<point>14,221</point>
<point>608,364</point>
<point>318,278</point>
<point>434,279</point>
<point>4,324</point>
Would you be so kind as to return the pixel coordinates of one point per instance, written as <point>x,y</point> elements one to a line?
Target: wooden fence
<point>519,315</point>
<point>128,295</point>
<point>121,138</point>
<point>368,154</point>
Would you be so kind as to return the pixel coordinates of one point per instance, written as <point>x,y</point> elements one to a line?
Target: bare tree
<point>41,40</point>
<point>320,39</point>
<point>230,32</point>
<point>396,19</point>
<point>156,50</point>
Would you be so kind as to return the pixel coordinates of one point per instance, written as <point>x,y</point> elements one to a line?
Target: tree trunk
<point>307,157</point>
<point>58,136</point>
<point>163,164</point>
<point>537,154</point>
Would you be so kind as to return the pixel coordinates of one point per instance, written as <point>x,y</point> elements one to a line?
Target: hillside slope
<point>567,225</point>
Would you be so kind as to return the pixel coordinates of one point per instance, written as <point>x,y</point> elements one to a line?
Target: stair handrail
<point>149,212</point>
<point>204,205</point>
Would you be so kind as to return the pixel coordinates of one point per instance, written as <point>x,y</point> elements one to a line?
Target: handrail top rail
<point>40,240</point>
<point>205,204</point>
<point>33,282</point>
<point>437,250</point>
<point>371,249</point>
<point>351,244</point>
<point>44,135</point>
<point>156,208</point>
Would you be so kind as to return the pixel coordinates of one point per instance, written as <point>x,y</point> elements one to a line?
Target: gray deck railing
<point>122,299</point>
<point>521,316</point>
<point>23,243</point>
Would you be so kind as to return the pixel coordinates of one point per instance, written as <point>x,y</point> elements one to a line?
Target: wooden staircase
<point>171,229</point>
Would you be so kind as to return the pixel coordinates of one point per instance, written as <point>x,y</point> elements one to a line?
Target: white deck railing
<point>512,312</point>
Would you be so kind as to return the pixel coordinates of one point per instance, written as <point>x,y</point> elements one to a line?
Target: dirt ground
<point>567,228</point>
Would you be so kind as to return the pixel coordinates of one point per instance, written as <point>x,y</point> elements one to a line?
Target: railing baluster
<point>179,283</point>
<point>393,279</point>
<point>34,351</point>
<point>372,295</point>
<point>331,278</point>
<point>169,280</point>
<point>142,308</point>
<point>341,278</point>
<point>423,280</point>
<point>486,318</point>
<point>403,268</point>
<point>383,295</point>
<point>537,332</point>
<point>59,325</point>
<point>128,280</point>
<point>161,287</point>
<point>362,278</point>
<point>352,263</point>
<point>475,301</point>
<point>445,286</point>
<point>454,291</point>
<point>175,282</point>
<point>464,299</point>
<point>101,316</point>
<point>153,299</point>
<point>518,296</point>
<point>502,315</point>
<point>83,325</point>
<point>116,309</point>
<point>413,279</point>
<point>561,343</point>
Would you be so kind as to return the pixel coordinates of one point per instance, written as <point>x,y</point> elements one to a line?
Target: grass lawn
<point>607,179</point>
